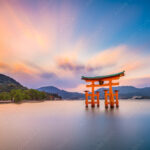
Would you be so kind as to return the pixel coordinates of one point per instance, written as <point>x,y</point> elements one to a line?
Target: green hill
<point>7,84</point>
<point>12,90</point>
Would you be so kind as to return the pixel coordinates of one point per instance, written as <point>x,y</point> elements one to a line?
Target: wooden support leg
<point>117,101</point>
<point>93,95</point>
<point>86,98</point>
<point>111,95</point>
<point>106,102</point>
<point>98,102</point>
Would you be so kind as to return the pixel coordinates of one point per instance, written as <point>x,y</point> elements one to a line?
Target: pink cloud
<point>46,42</point>
<point>107,57</point>
<point>137,82</point>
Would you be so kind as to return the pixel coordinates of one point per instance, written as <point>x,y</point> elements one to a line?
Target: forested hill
<point>12,90</point>
<point>7,84</point>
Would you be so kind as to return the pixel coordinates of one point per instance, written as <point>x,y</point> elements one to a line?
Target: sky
<point>55,42</point>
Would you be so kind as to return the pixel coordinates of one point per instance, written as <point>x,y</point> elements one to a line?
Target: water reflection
<point>68,125</point>
<point>112,111</point>
<point>99,111</point>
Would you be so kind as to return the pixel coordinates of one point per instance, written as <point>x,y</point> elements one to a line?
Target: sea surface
<point>68,125</point>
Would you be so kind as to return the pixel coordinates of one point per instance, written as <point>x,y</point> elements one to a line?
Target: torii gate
<point>102,82</point>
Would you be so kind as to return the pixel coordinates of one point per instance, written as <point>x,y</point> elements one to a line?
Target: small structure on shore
<point>103,81</point>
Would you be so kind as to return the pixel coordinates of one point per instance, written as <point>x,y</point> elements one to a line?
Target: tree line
<point>17,95</point>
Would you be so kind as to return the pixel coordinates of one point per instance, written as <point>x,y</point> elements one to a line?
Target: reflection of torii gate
<point>103,81</point>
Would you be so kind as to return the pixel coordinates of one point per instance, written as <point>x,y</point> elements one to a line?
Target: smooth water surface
<point>68,125</point>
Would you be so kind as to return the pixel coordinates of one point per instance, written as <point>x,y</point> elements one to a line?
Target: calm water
<point>68,125</point>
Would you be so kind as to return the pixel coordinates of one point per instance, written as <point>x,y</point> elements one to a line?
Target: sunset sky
<point>55,42</point>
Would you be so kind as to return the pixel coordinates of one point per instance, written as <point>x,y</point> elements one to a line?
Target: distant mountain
<point>8,83</point>
<point>64,94</point>
<point>125,92</point>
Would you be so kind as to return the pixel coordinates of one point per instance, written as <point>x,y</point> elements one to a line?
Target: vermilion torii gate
<point>103,81</point>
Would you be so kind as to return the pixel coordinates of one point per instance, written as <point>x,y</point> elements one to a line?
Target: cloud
<point>28,75</point>
<point>133,66</point>
<point>42,47</point>
<point>73,69</point>
<point>79,88</point>
<point>67,72</point>
<point>119,58</point>
<point>108,57</point>
<point>34,36</point>
<point>107,61</point>
<point>48,75</point>
<point>137,82</point>
<point>68,64</point>
<point>4,66</point>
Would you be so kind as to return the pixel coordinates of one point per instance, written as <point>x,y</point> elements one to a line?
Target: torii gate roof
<point>102,77</point>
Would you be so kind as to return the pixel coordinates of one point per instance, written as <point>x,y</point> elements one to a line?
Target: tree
<point>5,96</point>
<point>17,95</point>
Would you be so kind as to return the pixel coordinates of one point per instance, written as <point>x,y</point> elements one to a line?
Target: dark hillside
<point>7,84</point>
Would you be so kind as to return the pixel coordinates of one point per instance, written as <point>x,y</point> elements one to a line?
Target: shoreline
<point>24,101</point>
<point>39,101</point>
